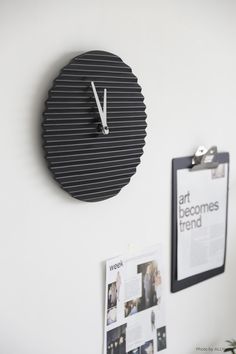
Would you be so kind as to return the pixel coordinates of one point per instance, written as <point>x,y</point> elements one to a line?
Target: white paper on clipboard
<point>201,219</point>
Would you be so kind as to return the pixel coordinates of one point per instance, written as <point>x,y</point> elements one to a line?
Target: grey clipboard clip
<point>204,159</point>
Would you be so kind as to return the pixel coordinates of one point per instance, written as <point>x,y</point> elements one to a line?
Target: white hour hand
<point>102,112</point>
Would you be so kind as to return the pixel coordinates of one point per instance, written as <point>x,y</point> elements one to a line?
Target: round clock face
<point>94,126</point>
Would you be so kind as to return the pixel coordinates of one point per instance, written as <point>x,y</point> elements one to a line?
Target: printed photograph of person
<point>151,282</point>
<point>153,320</point>
<point>161,338</point>
<point>111,315</point>
<point>116,340</point>
<point>135,351</point>
<point>112,295</point>
<point>147,348</point>
<point>111,303</point>
<point>131,307</point>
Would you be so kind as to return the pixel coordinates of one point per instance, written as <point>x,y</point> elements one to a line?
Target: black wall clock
<point>94,126</point>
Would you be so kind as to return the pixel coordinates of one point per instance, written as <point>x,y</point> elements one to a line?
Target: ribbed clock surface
<point>87,164</point>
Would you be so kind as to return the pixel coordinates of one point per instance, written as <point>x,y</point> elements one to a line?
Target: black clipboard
<point>187,163</point>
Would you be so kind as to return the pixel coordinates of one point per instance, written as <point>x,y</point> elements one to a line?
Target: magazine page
<point>201,218</point>
<point>135,306</point>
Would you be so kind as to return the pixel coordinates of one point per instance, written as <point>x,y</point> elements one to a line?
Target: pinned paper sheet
<point>135,304</point>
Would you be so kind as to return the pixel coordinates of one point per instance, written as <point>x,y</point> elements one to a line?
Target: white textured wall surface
<point>52,247</point>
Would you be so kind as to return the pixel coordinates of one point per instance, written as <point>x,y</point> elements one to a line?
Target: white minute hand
<point>102,112</point>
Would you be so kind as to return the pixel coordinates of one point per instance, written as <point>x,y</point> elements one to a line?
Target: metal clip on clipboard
<point>204,159</point>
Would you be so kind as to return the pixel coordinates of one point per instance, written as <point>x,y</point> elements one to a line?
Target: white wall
<point>52,247</point>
